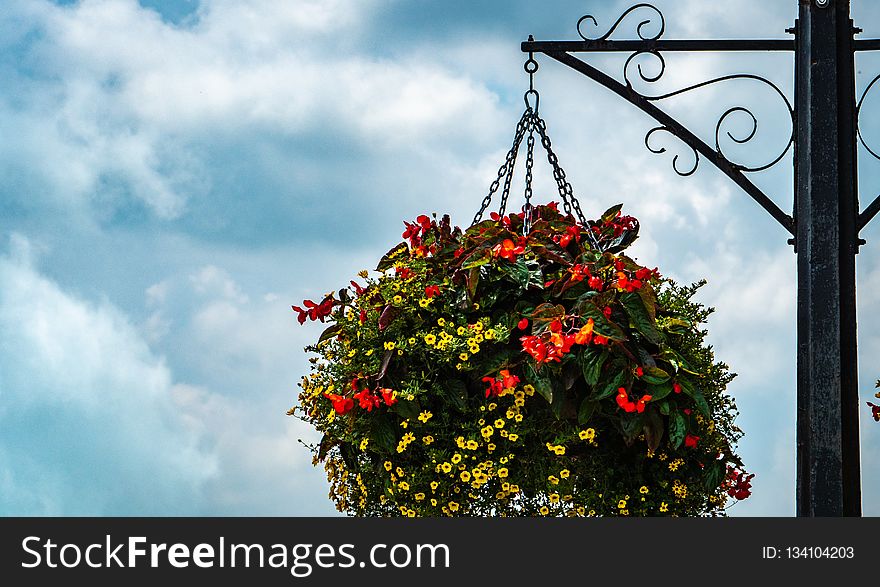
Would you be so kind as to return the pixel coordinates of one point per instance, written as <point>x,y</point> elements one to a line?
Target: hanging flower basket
<point>483,372</point>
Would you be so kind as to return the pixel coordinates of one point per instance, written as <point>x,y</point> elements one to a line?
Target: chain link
<point>530,122</point>
<point>506,168</point>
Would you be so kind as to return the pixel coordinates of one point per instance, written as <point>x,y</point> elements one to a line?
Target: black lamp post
<point>824,225</point>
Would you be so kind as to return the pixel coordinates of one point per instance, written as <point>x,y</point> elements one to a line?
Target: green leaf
<point>382,433</point>
<point>632,426</point>
<point>477,258</point>
<point>640,317</point>
<point>677,429</point>
<point>713,475</point>
<point>541,383</point>
<point>610,388</point>
<point>653,428</point>
<point>330,332</point>
<point>587,308</point>
<point>407,409</point>
<point>558,403</point>
<point>473,279</point>
<point>592,360</point>
<point>654,375</point>
<point>388,260</point>
<point>664,408</point>
<point>586,411</point>
<point>611,213</point>
<point>454,391</point>
<point>694,392</point>
<point>659,391</point>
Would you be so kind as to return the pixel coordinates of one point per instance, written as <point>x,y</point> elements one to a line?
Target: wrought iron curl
<point>659,150</point>
<point>650,78</point>
<point>629,11</point>
<point>858,118</point>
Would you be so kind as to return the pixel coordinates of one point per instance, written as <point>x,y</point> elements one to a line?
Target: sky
<point>174,174</point>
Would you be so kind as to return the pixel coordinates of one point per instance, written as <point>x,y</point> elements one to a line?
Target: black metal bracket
<point>652,46</point>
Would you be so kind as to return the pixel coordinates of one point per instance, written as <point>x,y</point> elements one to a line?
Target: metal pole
<point>828,477</point>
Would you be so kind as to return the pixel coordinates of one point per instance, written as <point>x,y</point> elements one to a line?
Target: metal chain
<point>569,201</point>
<point>506,168</point>
<point>530,161</point>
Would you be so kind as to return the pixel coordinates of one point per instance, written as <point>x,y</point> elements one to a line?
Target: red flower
<point>624,402</point>
<point>691,441</point>
<point>875,411</point>
<point>640,405</point>
<point>458,252</point>
<point>618,264</point>
<point>534,346</point>
<point>341,404</point>
<point>553,206</point>
<point>599,339</point>
<point>367,400</point>
<point>431,291</point>
<point>523,324</point>
<point>595,283</point>
<point>739,484</point>
<point>579,272</point>
<point>676,387</point>
<point>687,411</point>
<point>643,273</point>
<point>388,396</point>
<point>403,272</point>
<point>585,334</point>
<point>509,250</point>
<point>315,311</point>
<point>508,381</point>
<point>358,289</point>
<point>363,316</point>
<point>607,312</point>
<point>495,387</point>
<point>639,372</point>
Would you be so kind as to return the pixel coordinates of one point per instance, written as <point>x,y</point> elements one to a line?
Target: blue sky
<point>175,173</point>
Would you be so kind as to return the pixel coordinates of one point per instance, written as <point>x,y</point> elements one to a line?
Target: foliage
<point>483,372</point>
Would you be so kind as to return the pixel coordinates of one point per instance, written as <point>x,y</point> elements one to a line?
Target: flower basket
<point>487,373</point>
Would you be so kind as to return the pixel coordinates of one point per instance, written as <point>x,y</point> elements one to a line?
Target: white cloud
<point>88,421</point>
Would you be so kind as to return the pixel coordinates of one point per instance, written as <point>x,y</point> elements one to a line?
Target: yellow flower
<point>465,476</point>
<point>492,406</point>
<point>433,502</point>
<point>389,346</point>
<point>399,472</point>
<point>397,299</point>
<point>559,450</point>
<point>424,302</point>
<point>472,444</point>
<point>489,334</point>
<point>553,480</point>
<point>621,504</point>
<point>430,339</point>
<point>364,443</point>
<point>502,472</point>
<point>478,326</point>
<point>403,485</point>
<point>441,321</point>
<point>461,330</point>
<point>474,349</point>
<point>512,437</point>
<point>363,273</point>
<point>425,416</point>
<point>544,510</point>
<point>554,498</point>
<point>664,507</point>
<point>463,356</point>
<point>387,465</point>
<point>564,473</point>
<point>456,458</point>
<point>643,489</point>
<point>518,418</point>
<point>427,439</point>
<point>478,338</point>
<point>499,423</point>
<point>490,447</point>
<point>434,485</point>
<point>453,506</point>
<point>446,467</point>
<point>411,340</point>
<point>529,389</point>
<point>419,496</point>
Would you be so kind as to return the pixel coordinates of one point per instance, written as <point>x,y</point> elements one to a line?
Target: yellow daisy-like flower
<point>364,443</point>
<point>456,458</point>
<point>489,334</point>
<point>490,447</point>
<point>399,472</point>
<point>434,502</point>
<point>389,346</point>
<point>424,302</point>
<point>472,445</point>
<point>465,476</point>
<point>411,513</point>
<point>419,496</point>
<point>513,437</point>
<point>643,489</point>
<point>403,485</point>
<point>664,507</point>
<point>463,356</point>
<point>518,418</point>
<point>621,504</point>
<point>564,473</point>
<point>441,321</point>
<point>474,349</point>
<point>425,416</point>
<point>411,340</point>
<point>426,440</point>
<point>502,472</point>
<point>529,389</point>
<point>553,497</point>
<point>478,327</point>
<point>544,510</point>
<point>434,485</point>
<point>397,299</point>
<point>430,339</point>
<point>499,423</point>
<point>553,480</point>
<point>461,330</point>
<point>446,467</point>
<point>387,465</point>
<point>453,506</point>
